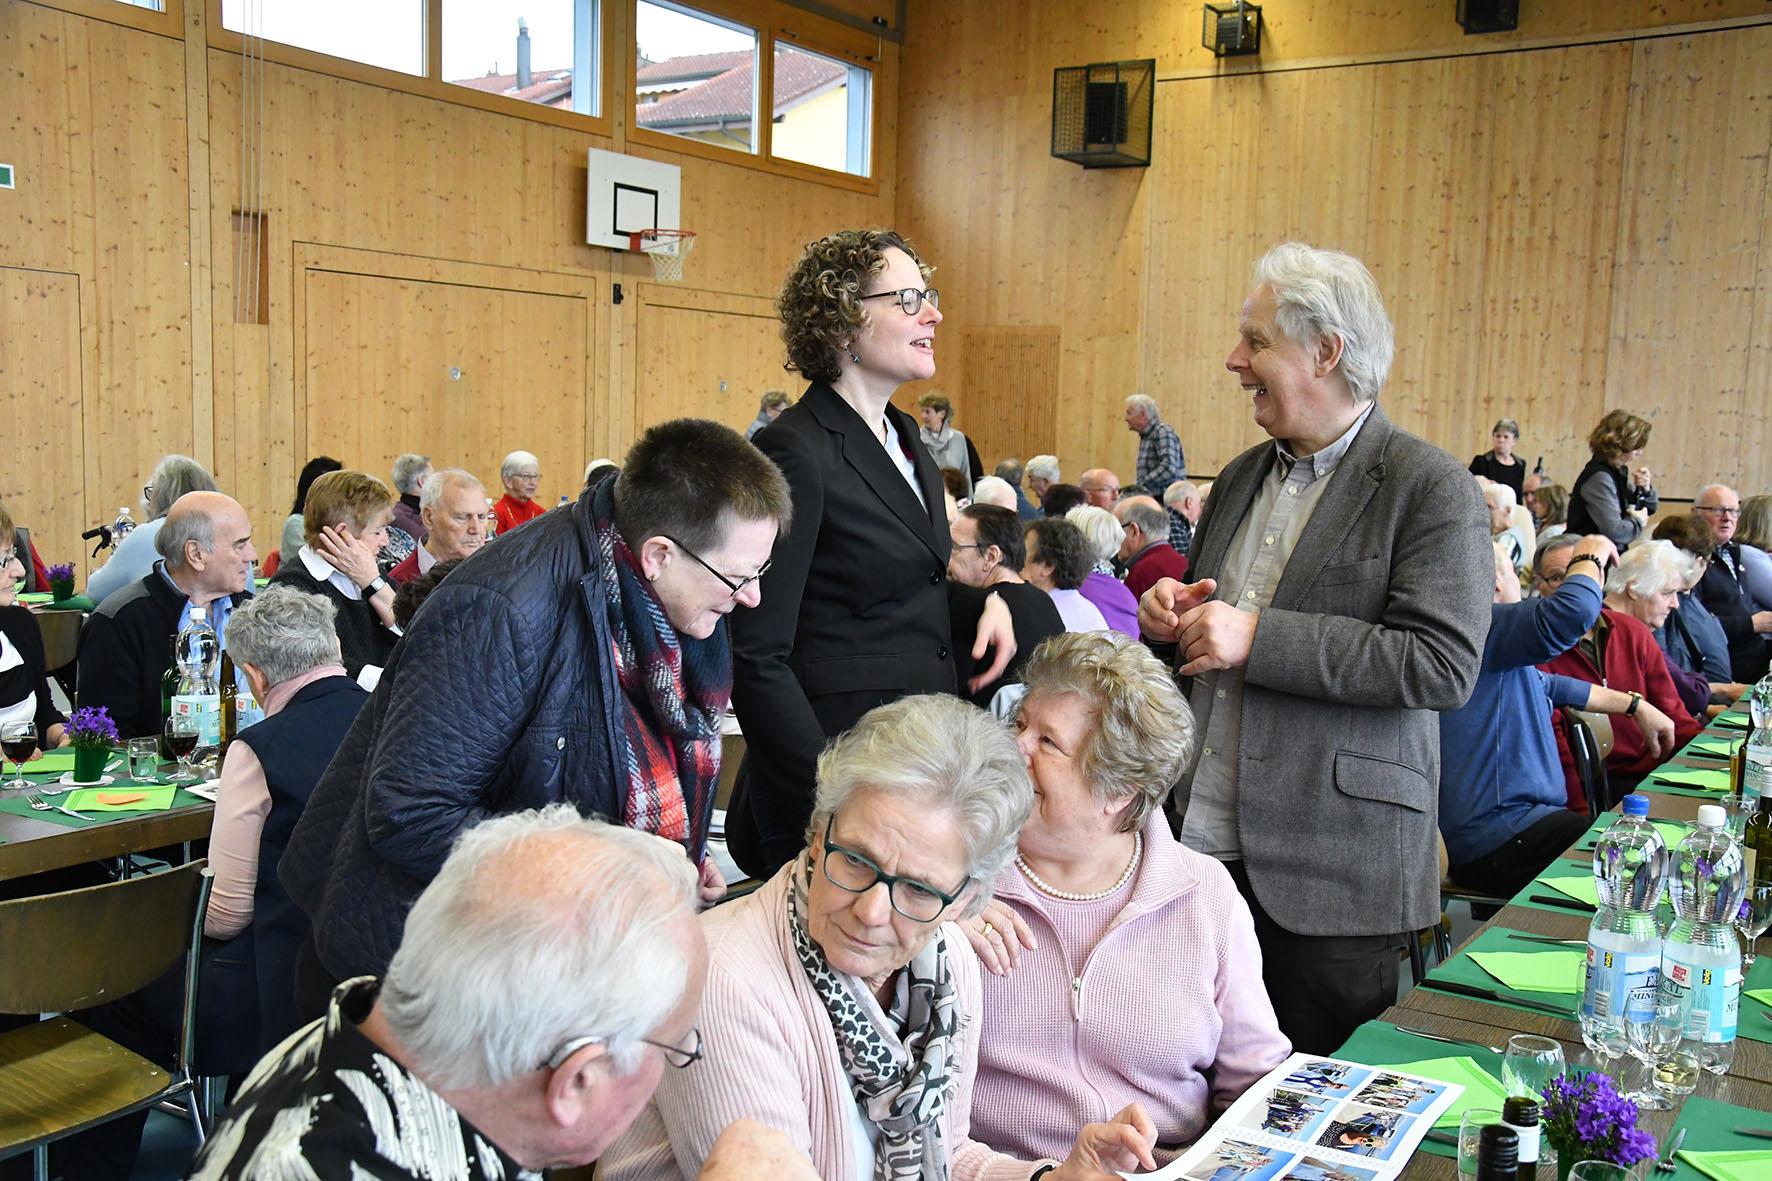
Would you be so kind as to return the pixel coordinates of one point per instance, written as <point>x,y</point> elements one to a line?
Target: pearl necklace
<point>1071,896</point>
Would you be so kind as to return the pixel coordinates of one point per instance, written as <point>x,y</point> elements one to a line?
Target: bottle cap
<point>1498,1147</point>
<point>1520,1112</point>
<point>1711,816</point>
<point>1636,805</point>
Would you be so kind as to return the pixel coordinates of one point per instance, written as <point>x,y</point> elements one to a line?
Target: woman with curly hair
<point>1611,496</point>
<point>856,602</point>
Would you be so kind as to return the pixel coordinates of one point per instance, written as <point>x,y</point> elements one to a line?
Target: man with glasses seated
<point>521,473</point>
<point>1723,589</point>
<point>442,1069</point>
<point>1101,488</point>
<point>581,660</point>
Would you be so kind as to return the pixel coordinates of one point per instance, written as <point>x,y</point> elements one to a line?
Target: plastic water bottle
<point>123,526</point>
<point>1756,774</point>
<point>1702,955</point>
<point>1623,942</point>
<point>198,653</point>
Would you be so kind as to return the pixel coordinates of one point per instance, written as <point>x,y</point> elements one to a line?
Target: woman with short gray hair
<point>1498,463</point>
<point>410,472</point>
<point>1101,530</point>
<point>842,1005</point>
<point>135,554</point>
<point>285,642</point>
<point>1101,891</point>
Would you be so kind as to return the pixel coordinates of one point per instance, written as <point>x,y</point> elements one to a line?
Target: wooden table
<point>35,846</point>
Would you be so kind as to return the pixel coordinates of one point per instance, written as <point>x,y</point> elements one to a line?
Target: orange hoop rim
<point>646,241</point>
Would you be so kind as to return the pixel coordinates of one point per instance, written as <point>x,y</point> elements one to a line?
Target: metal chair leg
<point>1417,962</point>
<point>40,1163</point>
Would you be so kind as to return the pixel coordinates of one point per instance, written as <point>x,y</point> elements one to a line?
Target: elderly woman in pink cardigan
<point>842,1003</point>
<point>1121,965</point>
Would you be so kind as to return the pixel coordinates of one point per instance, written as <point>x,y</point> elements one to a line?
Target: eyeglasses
<point>737,588</point>
<point>857,874</point>
<point>526,475</point>
<point>1718,510</point>
<point>677,1056</point>
<point>147,492</point>
<point>910,300</point>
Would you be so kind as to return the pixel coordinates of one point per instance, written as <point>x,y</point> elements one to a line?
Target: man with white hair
<point>1184,502</point>
<point>452,506</point>
<point>1499,500</point>
<point>1042,473</point>
<point>521,473</point>
<point>1723,588</point>
<point>995,490</point>
<point>1009,471</point>
<point>443,1069</point>
<point>1343,582</point>
<point>1160,461</point>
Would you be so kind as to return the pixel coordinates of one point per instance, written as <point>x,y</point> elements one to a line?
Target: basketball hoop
<point>667,249</point>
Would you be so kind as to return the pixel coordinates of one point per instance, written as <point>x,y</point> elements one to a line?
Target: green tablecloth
<point>1712,746</point>
<point>1379,1043</point>
<point>13,804</point>
<point>1755,1019</point>
<point>48,601</point>
<point>1709,1125</point>
<point>1672,831</point>
<point>1461,969</point>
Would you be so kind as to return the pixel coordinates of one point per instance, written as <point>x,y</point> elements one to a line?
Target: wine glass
<point>1598,1170</point>
<point>18,741</point>
<point>1530,1063</point>
<point>1655,1038</point>
<point>1752,920</point>
<point>182,733</point>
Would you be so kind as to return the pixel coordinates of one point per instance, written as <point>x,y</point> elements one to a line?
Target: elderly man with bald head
<point>1101,488</point>
<point>206,559</point>
<point>1723,589</point>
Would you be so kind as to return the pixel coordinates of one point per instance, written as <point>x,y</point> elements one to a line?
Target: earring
<point>852,357</point>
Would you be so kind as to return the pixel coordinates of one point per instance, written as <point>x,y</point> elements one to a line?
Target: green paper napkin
<point>158,799</point>
<point>1481,1089</point>
<point>1735,721</point>
<point>1718,746</point>
<point>1672,831</point>
<point>1763,995</point>
<point>1752,1165</point>
<point>1533,971</point>
<point>1581,888</point>
<point>53,762</point>
<point>1708,778</point>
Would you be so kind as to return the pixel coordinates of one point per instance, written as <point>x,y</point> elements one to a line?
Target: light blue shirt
<point>215,614</point>
<point>134,556</point>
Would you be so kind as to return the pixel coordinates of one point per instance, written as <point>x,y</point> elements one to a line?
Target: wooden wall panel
<point>706,358</point>
<point>40,360</point>
<point>1689,254</point>
<point>1011,393</point>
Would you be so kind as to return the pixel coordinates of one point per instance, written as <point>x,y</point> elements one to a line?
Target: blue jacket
<point>1694,641</point>
<point>1499,772</point>
<point>501,698</point>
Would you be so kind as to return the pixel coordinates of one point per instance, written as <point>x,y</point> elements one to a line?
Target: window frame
<point>168,23</point>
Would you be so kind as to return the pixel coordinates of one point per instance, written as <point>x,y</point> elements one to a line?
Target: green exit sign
<point>6,177</point>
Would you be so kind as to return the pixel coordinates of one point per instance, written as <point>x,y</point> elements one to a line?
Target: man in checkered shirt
<point>1160,461</point>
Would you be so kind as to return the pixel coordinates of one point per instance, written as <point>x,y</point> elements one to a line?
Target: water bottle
<point>197,652</point>
<point>1702,956</point>
<point>491,520</point>
<point>1623,942</point>
<point>123,526</point>
<point>564,501</point>
<point>1756,772</point>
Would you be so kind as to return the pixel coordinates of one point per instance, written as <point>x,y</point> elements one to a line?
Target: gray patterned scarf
<point>901,1087</point>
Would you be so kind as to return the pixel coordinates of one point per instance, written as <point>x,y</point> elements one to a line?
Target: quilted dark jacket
<point>500,698</point>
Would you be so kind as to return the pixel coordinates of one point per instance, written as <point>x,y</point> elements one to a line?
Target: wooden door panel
<point>44,486</point>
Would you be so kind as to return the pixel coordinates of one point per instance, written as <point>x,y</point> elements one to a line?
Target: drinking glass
<point>144,759</point>
<point>1752,920</point>
<point>18,741</point>
<point>1470,1132</point>
<point>182,733</point>
<point>1601,1034</point>
<point>1530,1063</point>
<point>1656,1041</point>
<point>1735,814</point>
<point>1598,1170</point>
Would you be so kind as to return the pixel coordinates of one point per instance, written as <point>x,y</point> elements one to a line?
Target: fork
<point>1451,1041</point>
<point>39,804</point>
<point>1665,1162</point>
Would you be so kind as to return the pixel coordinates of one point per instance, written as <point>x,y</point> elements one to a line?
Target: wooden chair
<point>74,950</point>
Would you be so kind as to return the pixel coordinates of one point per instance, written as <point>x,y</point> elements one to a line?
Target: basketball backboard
<point>626,195</point>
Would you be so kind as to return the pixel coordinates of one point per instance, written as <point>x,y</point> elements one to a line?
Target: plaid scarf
<point>901,1086</point>
<point>674,689</point>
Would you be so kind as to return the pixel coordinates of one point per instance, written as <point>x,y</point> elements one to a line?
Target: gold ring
<point>988,929</point>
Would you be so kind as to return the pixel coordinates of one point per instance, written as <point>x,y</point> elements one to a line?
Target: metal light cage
<point>1101,113</point>
<point>1231,30</point>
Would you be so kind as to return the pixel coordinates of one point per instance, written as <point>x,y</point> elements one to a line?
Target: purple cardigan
<point>1170,1011</point>
<point>1113,600</point>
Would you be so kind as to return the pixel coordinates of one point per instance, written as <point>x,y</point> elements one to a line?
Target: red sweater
<point>1154,562</point>
<point>508,513</point>
<point>1633,662</point>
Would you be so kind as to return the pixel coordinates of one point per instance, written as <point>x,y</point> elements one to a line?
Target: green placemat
<point>1748,1165</point>
<point>47,600</point>
<point>1672,831</point>
<point>1710,1128</point>
<point>13,804</point>
<point>1577,886</point>
<point>1462,969</point>
<point>1716,746</point>
<point>1754,1022</point>
<point>1379,1043</point>
<point>1698,780</point>
<point>91,799</point>
<point>1532,971</point>
<point>1734,720</point>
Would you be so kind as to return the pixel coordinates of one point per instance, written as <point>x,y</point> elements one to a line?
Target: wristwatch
<point>374,587</point>
<point>1598,565</point>
<point>1636,699</point>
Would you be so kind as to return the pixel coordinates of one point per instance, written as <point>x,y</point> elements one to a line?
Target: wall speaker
<point>1232,30</point>
<point>1101,113</point>
<point>1488,16</point>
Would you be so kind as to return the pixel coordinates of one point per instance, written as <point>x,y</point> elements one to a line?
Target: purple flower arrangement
<point>1585,1118</point>
<point>92,727</point>
<point>61,579</point>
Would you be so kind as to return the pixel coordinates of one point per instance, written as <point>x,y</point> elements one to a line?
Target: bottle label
<point>1716,997</point>
<point>1621,984</point>
<point>206,708</point>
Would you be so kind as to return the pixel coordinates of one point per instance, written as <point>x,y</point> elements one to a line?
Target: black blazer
<point>854,612</point>
<point>1721,593</point>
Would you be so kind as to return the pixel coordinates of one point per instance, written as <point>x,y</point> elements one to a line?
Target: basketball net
<point>667,249</point>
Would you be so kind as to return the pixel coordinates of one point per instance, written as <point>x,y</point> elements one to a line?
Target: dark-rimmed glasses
<point>856,873</point>
<point>1719,510</point>
<point>910,300</point>
<point>677,1056</point>
<point>737,588</point>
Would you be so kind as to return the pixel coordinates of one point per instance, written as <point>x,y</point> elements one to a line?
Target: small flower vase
<point>60,591</point>
<point>89,763</point>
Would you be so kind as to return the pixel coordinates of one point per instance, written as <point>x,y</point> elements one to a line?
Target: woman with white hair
<point>1518,544</point>
<point>1640,591</point>
<point>842,1003</point>
<point>1103,535</point>
<point>521,473</point>
<point>136,554</point>
<point>1105,914</point>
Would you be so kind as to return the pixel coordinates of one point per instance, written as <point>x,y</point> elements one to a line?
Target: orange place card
<point>114,798</point>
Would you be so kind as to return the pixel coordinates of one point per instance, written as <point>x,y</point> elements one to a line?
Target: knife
<point>1547,939</point>
<point>1446,1138</point>
<point>1565,903</point>
<point>1451,1041</point>
<point>1489,994</point>
<point>1759,1133</point>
